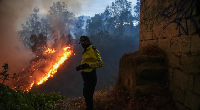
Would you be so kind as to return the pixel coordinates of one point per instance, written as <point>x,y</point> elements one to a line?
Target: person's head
<point>84,41</point>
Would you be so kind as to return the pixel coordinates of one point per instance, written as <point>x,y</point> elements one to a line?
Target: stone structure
<point>172,25</point>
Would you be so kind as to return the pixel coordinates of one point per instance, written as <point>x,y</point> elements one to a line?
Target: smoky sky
<point>12,14</point>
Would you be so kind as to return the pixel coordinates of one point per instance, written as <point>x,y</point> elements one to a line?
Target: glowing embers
<point>54,68</point>
<point>41,68</point>
<point>49,51</point>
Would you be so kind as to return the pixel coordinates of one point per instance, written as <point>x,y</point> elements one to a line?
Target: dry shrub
<point>114,99</point>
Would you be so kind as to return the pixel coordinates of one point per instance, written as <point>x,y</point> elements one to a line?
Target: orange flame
<point>48,51</point>
<point>52,71</point>
<point>29,88</point>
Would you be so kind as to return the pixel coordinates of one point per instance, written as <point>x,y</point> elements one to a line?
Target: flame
<point>52,71</point>
<point>29,88</point>
<point>48,51</point>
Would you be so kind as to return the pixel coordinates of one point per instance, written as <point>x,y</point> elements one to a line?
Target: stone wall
<point>173,25</point>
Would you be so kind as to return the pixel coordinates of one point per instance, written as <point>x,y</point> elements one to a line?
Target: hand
<point>85,65</point>
<point>78,68</point>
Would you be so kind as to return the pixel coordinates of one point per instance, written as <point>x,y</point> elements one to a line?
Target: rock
<point>151,73</point>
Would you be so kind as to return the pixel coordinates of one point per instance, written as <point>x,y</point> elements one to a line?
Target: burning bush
<point>47,60</point>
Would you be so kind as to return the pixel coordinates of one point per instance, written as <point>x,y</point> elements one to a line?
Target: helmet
<point>84,39</point>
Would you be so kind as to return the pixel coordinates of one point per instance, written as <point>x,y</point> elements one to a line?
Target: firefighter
<point>91,60</point>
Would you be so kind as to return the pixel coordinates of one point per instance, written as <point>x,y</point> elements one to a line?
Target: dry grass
<point>118,98</point>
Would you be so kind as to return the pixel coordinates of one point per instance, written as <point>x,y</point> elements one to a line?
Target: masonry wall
<point>173,25</point>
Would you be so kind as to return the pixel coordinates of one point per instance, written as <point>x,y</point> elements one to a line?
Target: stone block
<point>192,100</point>
<point>171,86</point>
<point>157,30</point>
<point>164,44</point>
<point>183,80</point>
<point>169,30</point>
<point>190,63</point>
<point>140,81</point>
<point>143,59</point>
<point>195,43</point>
<point>197,85</point>
<point>159,101</point>
<point>146,36</point>
<point>178,94</point>
<point>147,42</point>
<point>184,44</point>
<point>189,28</point>
<point>170,72</point>
<point>175,44</point>
<point>180,44</point>
<point>147,89</point>
<point>180,106</point>
<point>173,61</point>
<point>151,73</point>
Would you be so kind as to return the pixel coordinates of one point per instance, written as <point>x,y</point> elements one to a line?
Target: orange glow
<point>54,68</point>
<point>59,59</point>
<point>48,51</point>
<point>29,88</point>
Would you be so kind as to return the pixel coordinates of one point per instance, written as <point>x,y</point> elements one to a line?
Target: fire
<point>35,66</point>
<point>48,51</point>
<point>52,71</point>
<point>29,88</point>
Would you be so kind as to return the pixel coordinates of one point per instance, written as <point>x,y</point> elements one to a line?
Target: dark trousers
<point>90,81</point>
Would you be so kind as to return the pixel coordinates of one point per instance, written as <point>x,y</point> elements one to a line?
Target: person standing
<point>91,60</point>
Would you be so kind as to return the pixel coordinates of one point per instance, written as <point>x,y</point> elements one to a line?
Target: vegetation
<point>16,100</point>
<point>112,32</point>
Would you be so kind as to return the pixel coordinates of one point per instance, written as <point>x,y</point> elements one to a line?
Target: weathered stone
<point>175,44</point>
<point>159,101</point>
<point>150,108</point>
<point>174,61</point>
<point>164,44</point>
<point>184,43</point>
<point>146,36</point>
<point>140,81</point>
<point>190,63</point>
<point>178,94</point>
<point>195,45</point>
<point>170,72</point>
<point>151,73</point>
<point>180,106</point>
<point>147,89</point>
<point>170,30</point>
<point>192,100</point>
<point>157,31</point>
<point>191,29</point>
<point>183,80</point>
<point>143,59</point>
<point>148,42</point>
<point>171,86</point>
<point>197,85</point>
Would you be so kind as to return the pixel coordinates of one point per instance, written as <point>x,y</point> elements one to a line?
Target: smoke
<point>11,50</point>
<point>12,14</point>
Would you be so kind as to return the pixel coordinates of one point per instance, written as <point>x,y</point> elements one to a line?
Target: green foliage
<point>13,100</point>
<point>4,76</point>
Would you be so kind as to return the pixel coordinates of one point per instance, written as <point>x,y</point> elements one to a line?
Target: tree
<point>117,15</point>
<point>78,28</point>
<point>137,11</point>
<point>32,27</point>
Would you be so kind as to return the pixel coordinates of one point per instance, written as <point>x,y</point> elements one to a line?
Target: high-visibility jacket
<point>92,57</point>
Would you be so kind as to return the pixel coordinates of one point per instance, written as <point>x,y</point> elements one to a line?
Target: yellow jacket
<point>92,57</point>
